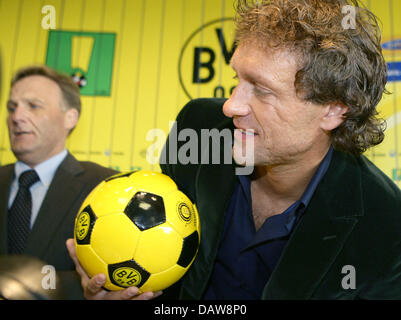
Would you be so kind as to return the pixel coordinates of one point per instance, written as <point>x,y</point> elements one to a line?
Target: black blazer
<point>353,219</point>
<point>54,224</point>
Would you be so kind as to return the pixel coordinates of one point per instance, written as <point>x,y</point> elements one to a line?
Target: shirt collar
<point>245,180</point>
<point>290,215</point>
<point>319,174</point>
<point>45,170</point>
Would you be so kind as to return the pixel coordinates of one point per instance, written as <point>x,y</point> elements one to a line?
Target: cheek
<point>285,131</point>
<point>49,122</point>
<point>273,124</point>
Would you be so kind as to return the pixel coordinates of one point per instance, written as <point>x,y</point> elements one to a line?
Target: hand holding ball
<point>139,230</point>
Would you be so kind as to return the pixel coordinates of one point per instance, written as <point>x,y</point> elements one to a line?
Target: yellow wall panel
<point>151,49</point>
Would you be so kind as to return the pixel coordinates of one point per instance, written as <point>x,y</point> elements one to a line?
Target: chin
<point>241,160</point>
<point>244,152</point>
<point>22,154</point>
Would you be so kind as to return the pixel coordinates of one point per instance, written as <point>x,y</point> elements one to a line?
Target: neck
<point>287,182</point>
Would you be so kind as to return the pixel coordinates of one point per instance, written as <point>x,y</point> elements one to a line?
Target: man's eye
<point>10,108</point>
<point>34,106</point>
<point>261,92</point>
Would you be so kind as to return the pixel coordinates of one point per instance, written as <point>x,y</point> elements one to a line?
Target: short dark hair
<point>337,64</point>
<point>69,89</point>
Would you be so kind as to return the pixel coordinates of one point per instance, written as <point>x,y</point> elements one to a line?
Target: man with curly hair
<point>315,219</point>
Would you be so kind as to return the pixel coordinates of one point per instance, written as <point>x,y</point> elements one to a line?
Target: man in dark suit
<point>43,108</point>
<point>315,219</point>
<point>342,241</point>
<point>312,218</point>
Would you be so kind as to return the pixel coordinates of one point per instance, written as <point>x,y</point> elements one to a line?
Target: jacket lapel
<point>321,234</point>
<point>214,186</point>
<point>64,188</point>
<point>212,182</point>
<point>6,176</point>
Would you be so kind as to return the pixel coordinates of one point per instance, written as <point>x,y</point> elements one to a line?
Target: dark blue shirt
<point>246,257</point>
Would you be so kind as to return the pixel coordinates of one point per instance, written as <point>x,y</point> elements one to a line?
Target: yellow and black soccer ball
<point>139,230</point>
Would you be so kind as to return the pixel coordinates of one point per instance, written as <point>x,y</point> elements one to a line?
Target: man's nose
<point>18,114</point>
<point>238,104</point>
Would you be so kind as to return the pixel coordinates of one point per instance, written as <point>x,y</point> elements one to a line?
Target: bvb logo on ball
<point>139,230</point>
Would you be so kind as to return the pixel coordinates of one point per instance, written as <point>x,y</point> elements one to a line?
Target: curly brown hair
<point>337,64</point>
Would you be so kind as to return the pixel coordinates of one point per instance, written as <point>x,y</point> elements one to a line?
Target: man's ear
<point>71,118</point>
<point>334,116</point>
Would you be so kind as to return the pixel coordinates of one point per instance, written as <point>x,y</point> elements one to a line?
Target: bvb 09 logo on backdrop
<point>204,64</point>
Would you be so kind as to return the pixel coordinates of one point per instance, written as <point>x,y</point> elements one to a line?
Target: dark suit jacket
<point>54,224</point>
<point>353,219</point>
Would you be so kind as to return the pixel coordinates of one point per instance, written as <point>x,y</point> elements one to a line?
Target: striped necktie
<point>19,215</point>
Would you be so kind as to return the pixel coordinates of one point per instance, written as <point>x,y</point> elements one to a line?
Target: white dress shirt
<point>45,171</point>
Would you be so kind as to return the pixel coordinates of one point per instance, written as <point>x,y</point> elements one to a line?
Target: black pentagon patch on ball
<point>146,210</point>
<point>120,175</point>
<point>189,248</point>
<point>127,274</point>
<point>84,225</point>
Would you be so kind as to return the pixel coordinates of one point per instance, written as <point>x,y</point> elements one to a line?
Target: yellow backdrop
<point>140,61</point>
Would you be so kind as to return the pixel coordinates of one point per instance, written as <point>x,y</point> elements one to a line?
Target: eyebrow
<point>9,101</point>
<point>29,100</point>
<point>258,79</point>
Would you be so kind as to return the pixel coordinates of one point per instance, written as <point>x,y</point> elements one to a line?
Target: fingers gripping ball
<point>139,230</point>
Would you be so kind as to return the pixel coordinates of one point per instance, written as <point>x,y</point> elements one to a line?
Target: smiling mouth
<point>248,132</point>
